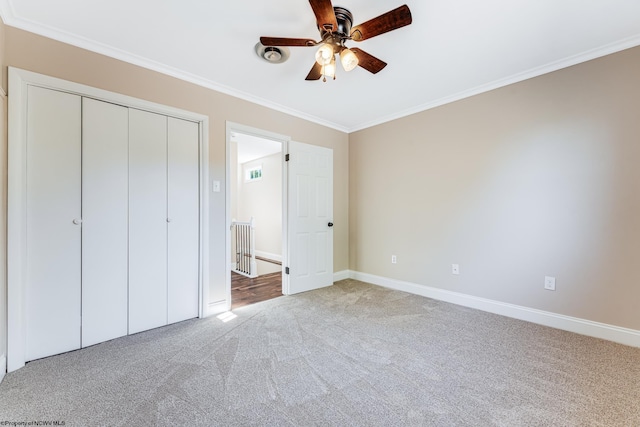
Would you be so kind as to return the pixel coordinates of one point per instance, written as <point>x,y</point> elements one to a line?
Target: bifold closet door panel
<point>53,222</point>
<point>183,215</point>
<point>147,220</point>
<point>105,159</point>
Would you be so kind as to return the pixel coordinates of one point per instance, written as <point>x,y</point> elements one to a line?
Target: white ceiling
<point>453,49</point>
<point>253,147</point>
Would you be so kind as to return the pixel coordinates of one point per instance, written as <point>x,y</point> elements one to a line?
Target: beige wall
<point>3,201</point>
<point>3,72</point>
<point>262,200</point>
<point>534,179</point>
<point>234,178</point>
<point>34,53</point>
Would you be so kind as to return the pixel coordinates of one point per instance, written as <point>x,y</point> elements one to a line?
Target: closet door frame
<point>19,81</point>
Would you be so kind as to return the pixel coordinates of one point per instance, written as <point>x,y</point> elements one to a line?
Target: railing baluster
<point>245,248</point>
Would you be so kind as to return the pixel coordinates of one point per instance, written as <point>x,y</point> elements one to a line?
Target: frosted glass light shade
<point>330,69</point>
<point>348,59</point>
<point>324,55</point>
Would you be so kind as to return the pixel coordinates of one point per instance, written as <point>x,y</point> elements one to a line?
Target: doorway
<point>306,214</point>
<point>256,211</point>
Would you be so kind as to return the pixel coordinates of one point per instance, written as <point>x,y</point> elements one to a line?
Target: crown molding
<point>496,84</point>
<point>10,19</point>
<point>6,11</point>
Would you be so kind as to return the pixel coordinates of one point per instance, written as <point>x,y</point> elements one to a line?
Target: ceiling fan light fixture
<point>325,54</point>
<point>335,26</point>
<point>348,59</point>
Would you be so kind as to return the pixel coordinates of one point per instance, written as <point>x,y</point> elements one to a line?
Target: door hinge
<point>286,270</point>
<point>286,157</point>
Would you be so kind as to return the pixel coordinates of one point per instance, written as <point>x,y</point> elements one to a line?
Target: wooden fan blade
<point>384,23</point>
<point>315,73</point>
<point>325,16</point>
<point>368,62</point>
<point>283,41</point>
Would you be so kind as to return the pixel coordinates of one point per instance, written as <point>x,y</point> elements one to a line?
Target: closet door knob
<point>77,221</point>
<point>168,219</point>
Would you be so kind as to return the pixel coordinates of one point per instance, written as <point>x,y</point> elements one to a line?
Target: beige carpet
<point>349,355</point>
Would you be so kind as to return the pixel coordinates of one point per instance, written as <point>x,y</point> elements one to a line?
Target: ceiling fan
<point>335,26</point>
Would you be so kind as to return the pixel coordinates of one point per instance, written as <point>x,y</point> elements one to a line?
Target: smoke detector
<point>272,54</point>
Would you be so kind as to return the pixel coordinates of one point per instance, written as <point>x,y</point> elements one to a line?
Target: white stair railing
<point>244,243</point>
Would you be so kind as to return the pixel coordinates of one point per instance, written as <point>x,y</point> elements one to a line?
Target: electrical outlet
<point>394,260</point>
<point>455,269</point>
<point>550,283</point>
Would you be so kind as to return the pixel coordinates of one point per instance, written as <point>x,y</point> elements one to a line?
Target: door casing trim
<point>260,133</point>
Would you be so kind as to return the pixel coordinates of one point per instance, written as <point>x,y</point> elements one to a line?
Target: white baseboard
<point>217,307</point>
<point>341,275</point>
<point>630,337</point>
<point>242,273</point>
<point>3,366</point>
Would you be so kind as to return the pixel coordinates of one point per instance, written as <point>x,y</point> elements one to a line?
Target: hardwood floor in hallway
<point>245,291</point>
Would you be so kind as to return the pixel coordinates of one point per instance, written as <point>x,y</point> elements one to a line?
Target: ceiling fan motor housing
<point>337,37</point>
<point>345,21</point>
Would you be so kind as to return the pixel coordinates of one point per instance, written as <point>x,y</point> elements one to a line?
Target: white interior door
<point>105,159</point>
<point>183,219</point>
<point>53,223</point>
<point>147,220</point>
<point>310,217</point>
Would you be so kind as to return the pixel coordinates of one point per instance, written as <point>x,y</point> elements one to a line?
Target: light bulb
<point>348,59</point>
<point>324,55</point>
<point>329,70</point>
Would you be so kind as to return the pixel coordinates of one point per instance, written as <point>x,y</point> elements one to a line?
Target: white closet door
<point>147,220</point>
<point>105,139</point>
<point>53,239</point>
<point>183,214</point>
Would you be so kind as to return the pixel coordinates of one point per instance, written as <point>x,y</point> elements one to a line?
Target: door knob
<point>330,224</point>
<point>77,221</point>
<point>168,219</point>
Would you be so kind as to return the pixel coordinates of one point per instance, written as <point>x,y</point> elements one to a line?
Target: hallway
<point>245,291</point>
